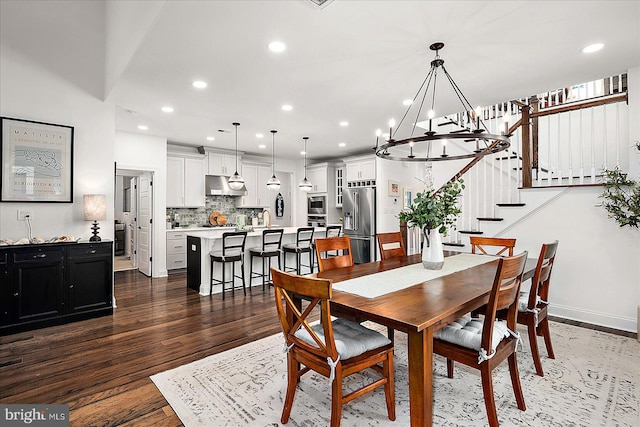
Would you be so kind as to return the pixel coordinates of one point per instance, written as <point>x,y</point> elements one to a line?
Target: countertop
<point>216,233</point>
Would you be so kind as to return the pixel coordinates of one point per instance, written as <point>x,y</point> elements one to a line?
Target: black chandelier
<point>485,142</point>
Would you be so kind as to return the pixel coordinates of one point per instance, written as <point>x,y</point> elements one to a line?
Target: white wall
<point>148,153</point>
<point>29,91</point>
<point>596,275</point>
<point>388,207</point>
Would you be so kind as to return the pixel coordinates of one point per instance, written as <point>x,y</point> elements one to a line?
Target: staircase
<point>557,142</point>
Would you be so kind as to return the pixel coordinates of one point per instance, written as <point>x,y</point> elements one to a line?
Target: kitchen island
<point>201,242</point>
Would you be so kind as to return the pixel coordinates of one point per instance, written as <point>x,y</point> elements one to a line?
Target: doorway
<point>133,226</point>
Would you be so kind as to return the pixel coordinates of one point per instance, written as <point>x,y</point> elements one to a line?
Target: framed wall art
<point>36,161</point>
<point>394,188</point>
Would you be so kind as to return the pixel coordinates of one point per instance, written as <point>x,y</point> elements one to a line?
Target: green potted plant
<point>621,196</point>
<point>433,212</point>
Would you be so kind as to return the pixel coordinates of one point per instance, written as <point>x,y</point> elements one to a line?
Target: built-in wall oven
<point>317,205</point>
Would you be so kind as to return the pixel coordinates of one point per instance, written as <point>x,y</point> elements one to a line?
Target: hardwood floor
<point>101,367</point>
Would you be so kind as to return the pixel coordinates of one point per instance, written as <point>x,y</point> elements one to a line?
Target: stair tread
<point>508,205</point>
<point>489,219</point>
<point>457,244</point>
<point>470,231</point>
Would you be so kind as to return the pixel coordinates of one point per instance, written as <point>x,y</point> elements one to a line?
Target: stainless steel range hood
<point>218,185</point>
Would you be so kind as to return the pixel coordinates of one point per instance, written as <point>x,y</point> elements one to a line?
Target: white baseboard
<point>601,319</point>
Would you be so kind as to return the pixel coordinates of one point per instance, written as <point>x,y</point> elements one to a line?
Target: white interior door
<point>145,223</point>
<point>132,226</point>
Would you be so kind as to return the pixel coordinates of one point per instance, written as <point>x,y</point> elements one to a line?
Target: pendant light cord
<point>236,126</point>
<point>273,152</point>
<point>305,157</point>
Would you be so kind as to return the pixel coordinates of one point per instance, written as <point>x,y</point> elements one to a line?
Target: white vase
<point>432,249</point>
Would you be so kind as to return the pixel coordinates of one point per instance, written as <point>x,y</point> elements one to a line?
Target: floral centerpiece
<point>434,212</point>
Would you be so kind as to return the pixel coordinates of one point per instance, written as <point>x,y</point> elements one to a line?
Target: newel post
<point>526,147</point>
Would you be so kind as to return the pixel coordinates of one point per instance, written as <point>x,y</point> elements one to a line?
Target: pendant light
<point>273,183</point>
<point>305,185</point>
<point>236,182</point>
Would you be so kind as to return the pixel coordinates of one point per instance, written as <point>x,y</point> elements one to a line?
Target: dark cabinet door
<point>38,276</point>
<point>6,291</point>
<point>89,277</point>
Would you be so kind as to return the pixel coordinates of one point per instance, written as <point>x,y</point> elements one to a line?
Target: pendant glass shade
<point>305,185</point>
<point>273,183</point>
<point>236,182</point>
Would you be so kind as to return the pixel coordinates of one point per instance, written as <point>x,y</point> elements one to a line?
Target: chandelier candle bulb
<point>392,123</point>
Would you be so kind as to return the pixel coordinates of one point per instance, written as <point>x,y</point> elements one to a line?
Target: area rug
<point>593,381</point>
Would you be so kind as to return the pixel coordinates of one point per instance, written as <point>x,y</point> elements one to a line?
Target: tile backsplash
<point>200,216</point>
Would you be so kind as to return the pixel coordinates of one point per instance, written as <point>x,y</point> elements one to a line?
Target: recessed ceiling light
<point>302,153</point>
<point>143,127</point>
<point>277,47</point>
<point>259,135</point>
<point>210,138</point>
<point>592,48</point>
<point>287,107</point>
<point>199,84</point>
<point>262,146</point>
<point>407,102</point>
<point>344,123</point>
<point>167,109</point>
<point>342,144</point>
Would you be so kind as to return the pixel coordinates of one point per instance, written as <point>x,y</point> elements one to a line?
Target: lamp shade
<point>95,207</point>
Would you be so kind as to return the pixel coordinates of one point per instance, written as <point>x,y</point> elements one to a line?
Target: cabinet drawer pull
<point>178,246</point>
<point>40,256</point>
<point>93,251</point>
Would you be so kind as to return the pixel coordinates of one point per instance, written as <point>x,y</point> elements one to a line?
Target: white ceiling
<point>352,60</point>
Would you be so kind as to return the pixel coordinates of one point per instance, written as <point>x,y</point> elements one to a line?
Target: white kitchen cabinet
<point>318,176</point>
<point>221,164</point>
<point>185,182</point>
<point>255,179</point>
<point>176,249</point>
<point>339,185</point>
<point>363,169</point>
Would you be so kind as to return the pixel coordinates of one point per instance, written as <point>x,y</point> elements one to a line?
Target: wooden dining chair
<point>532,307</point>
<point>391,245</point>
<point>339,245</point>
<point>492,245</point>
<point>334,349</point>
<point>487,342</point>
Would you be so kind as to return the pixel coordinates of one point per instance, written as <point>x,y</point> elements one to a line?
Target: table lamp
<point>95,209</point>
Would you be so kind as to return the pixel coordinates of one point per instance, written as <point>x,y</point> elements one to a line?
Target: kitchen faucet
<point>266,218</point>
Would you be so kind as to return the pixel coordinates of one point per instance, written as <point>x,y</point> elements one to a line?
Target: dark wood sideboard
<point>49,284</point>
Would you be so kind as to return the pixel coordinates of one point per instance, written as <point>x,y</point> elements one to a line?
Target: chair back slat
<point>304,237</point>
<point>492,245</point>
<point>233,242</point>
<point>333,231</point>
<point>344,258</point>
<point>272,239</point>
<point>391,245</point>
<point>542,275</point>
<point>319,292</point>
<point>504,294</point>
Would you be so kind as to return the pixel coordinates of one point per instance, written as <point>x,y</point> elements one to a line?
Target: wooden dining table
<point>418,310</point>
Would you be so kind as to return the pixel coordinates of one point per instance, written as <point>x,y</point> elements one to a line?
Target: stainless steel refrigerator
<point>359,222</point>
